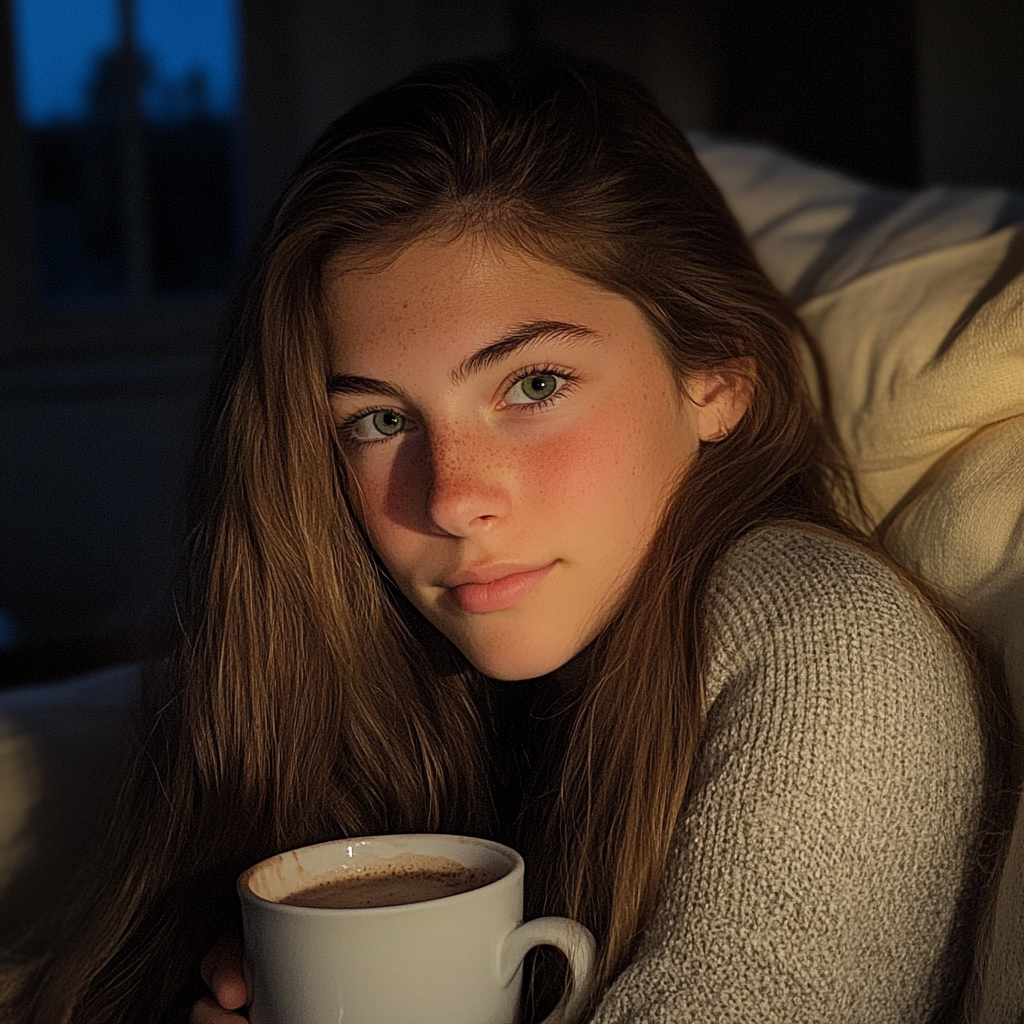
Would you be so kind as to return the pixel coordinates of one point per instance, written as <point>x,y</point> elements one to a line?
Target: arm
<point>822,869</point>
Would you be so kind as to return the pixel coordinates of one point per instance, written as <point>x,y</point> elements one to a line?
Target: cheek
<point>584,467</point>
<point>606,472</point>
<point>369,499</point>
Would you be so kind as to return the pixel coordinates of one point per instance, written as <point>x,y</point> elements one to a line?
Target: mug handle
<point>573,940</point>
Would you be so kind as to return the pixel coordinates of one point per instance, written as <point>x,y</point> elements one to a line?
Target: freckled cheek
<point>576,472</point>
<point>611,479</point>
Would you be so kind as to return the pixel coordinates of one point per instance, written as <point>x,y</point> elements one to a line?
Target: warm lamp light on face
<point>513,432</point>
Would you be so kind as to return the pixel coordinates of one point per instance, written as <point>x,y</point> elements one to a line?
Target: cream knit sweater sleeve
<point>825,864</point>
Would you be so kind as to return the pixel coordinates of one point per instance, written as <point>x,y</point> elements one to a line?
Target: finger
<point>206,1011</point>
<point>228,984</point>
<point>212,959</point>
<point>221,969</point>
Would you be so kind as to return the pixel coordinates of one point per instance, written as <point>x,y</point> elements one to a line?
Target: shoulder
<point>792,602</point>
<point>814,644</point>
<point>796,572</point>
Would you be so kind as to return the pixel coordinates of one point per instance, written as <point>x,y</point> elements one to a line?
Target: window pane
<point>58,44</point>
<point>60,48</point>
<point>193,46</point>
<point>190,104</point>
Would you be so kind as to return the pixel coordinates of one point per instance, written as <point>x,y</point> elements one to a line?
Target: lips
<point>493,588</point>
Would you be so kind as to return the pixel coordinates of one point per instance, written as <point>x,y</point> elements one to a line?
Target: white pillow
<point>921,355</point>
<point>920,319</point>
<point>815,229</point>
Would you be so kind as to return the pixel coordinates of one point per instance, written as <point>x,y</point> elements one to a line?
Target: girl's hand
<point>222,971</point>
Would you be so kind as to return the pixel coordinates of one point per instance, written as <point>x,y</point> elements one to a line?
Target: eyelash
<point>570,381</point>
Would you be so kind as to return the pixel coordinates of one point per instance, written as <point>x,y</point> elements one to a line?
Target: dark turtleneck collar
<point>572,674</point>
<point>528,716</point>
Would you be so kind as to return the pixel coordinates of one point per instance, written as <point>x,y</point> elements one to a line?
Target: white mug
<point>453,960</point>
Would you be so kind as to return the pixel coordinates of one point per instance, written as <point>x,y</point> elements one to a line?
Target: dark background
<point>97,401</point>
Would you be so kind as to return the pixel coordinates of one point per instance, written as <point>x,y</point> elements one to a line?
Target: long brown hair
<point>302,698</point>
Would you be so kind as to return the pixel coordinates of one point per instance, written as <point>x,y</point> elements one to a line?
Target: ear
<point>721,397</point>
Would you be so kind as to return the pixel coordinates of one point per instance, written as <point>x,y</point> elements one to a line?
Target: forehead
<point>449,296</point>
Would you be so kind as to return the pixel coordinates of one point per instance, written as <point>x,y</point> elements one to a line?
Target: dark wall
<point>834,82</point>
<point>92,455</point>
<point>902,92</point>
<point>971,74</point>
<point>677,47</point>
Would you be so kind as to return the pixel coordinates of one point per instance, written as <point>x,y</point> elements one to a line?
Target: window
<point>129,111</point>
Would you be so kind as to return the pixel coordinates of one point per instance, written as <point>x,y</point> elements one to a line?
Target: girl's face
<point>513,433</point>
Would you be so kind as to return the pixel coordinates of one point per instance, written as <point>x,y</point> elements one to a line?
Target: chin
<point>508,666</point>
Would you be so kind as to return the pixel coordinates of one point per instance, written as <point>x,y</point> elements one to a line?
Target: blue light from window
<point>191,47</point>
<point>56,45</point>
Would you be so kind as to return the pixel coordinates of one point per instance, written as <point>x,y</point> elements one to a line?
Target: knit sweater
<point>825,865</point>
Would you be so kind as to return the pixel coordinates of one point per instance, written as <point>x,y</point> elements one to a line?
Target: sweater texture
<point>825,867</point>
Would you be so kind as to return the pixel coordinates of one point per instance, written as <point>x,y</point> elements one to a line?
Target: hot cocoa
<point>391,884</point>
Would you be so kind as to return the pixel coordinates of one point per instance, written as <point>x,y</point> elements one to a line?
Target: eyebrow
<point>518,338</point>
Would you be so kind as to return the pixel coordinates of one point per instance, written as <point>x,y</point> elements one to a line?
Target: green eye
<point>388,422</point>
<point>539,386</point>
<point>376,426</point>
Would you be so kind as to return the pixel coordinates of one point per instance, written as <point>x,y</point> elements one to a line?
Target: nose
<point>468,485</point>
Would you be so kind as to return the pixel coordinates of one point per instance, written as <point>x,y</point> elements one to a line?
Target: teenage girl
<point>513,517</point>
